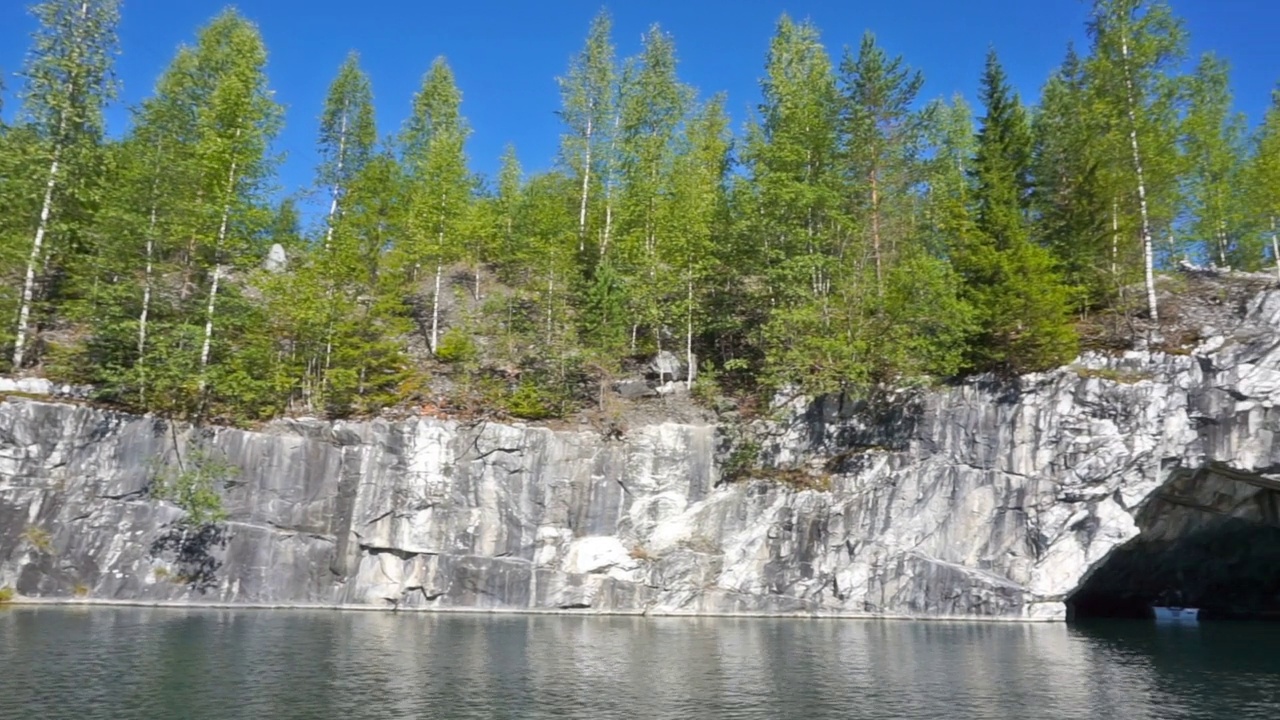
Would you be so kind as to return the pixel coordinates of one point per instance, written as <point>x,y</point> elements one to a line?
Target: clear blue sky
<point>507,54</point>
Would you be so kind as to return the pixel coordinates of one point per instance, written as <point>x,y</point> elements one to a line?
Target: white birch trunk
<point>1275,245</point>
<point>336,190</point>
<point>217,274</point>
<point>608,187</point>
<point>688,336</point>
<point>586,186</point>
<point>1147,251</point>
<point>435,311</point>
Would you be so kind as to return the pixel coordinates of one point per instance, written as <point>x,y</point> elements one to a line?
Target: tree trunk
<point>435,311</point>
<point>1147,252</point>
<point>875,232</point>
<point>586,186</point>
<point>1275,245</point>
<point>1115,239</point>
<point>336,190</point>
<point>608,188</point>
<point>217,274</point>
<point>688,336</point>
<point>37,248</point>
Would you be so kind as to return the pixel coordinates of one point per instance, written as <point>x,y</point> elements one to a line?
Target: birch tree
<point>68,76</point>
<point>1135,42</point>
<point>588,110</point>
<point>235,125</point>
<point>651,116</point>
<point>347,135</point>
<point>435,159</point>
<point>698,213</point>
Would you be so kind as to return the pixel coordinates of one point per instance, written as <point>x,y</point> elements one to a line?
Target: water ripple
<point>165,663</point>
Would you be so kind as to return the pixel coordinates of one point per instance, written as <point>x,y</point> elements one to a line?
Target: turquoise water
<point>164,663</point>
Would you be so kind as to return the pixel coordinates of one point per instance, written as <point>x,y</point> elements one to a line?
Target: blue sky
<point>507,54</point>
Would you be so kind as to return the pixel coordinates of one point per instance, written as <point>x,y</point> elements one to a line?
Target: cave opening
<point>1209,541</point>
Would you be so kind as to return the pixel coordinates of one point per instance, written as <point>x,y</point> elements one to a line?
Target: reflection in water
<point>164,663</point>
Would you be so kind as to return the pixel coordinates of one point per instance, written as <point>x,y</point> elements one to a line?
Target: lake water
<point>84,663</point>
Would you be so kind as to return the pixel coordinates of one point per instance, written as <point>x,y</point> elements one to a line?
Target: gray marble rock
<point>982,499</point>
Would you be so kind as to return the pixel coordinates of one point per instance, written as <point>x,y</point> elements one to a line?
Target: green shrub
<point>530,402</point>
<point>193,487</point>
<point>6,595</point>
<point>457,348</point>
<point>39,538</point>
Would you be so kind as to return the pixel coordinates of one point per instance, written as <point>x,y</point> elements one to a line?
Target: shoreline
<point>36,602</point>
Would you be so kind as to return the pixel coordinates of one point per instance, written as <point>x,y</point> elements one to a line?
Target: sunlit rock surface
<point>983,499</point>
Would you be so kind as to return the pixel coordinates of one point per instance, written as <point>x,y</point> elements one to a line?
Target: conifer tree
<point>1073,190</point>
<point>1263,173</point>
<point>1020,302</point>
<point>881,136</point>
<point>1214,140</point>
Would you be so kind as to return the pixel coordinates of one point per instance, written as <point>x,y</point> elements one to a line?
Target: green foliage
<point>1019,302</point>
<point>457,347</point>
<point>6,595</point>
<point>193,485</point>
<point>38,538</point>
<point>853,236</point>
<point>530,401</point>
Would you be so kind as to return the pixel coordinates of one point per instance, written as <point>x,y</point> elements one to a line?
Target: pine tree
<point>881,137</point>
<point>68,81</point>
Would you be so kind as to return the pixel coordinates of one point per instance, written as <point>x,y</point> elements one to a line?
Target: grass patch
<point>1115,375</point>
<point>38,538</point>
<point>6,595</point>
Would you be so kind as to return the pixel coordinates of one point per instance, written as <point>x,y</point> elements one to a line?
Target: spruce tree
<point>1020,302</point>
<point>1214,141</point>
<point>1072,193</point>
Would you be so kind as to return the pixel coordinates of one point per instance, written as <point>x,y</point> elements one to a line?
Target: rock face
<point>983,499</point>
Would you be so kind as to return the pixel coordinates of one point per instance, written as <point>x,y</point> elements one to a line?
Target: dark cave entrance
<point>1210,541</point>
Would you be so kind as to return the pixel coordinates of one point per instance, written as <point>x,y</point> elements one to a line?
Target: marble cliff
<point>982,499</point>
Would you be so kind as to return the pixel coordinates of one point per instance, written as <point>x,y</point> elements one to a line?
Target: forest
<point>850,234</point>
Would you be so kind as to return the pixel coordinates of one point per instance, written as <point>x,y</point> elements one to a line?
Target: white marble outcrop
<point>981,499</point>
